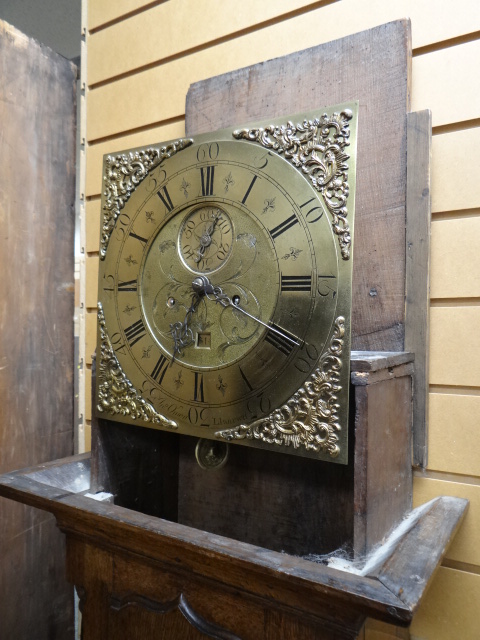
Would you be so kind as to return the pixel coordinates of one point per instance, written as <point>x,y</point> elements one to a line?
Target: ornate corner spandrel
<point>317,148</point>
<point>122,175</point>
<point>309,418</point>
<point>116,394</point>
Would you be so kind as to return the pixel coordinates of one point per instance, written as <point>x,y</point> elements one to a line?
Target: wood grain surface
<point>139,576</point>
<point>37,151</point>
<point>417,271</point>
<point>327,75</point>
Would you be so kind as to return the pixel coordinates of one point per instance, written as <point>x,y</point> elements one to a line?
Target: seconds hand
<point>203,285</point>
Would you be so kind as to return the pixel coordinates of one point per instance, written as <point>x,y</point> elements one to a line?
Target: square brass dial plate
<point>225,284</point>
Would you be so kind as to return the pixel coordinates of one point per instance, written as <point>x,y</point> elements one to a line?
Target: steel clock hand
<point>206,239</point>
<point>202,285</point>
<point>181,333</point>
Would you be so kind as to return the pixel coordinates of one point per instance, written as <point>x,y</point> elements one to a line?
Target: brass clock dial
<point>224,287</point>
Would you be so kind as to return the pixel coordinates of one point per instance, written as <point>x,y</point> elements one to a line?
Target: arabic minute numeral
<point>307,357</point>
<point>311,216</point>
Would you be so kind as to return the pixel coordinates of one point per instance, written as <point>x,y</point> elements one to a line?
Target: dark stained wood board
<point>373,67</point>
<point>417,295</point>
<point>383,470</point>
<point>270,499</point>
<point>135,572</point>
<point>37,188</point>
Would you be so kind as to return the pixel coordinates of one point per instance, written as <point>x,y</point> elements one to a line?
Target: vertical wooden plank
<point>417,276</point>
<point>37,151</point>
<point>329,74</point>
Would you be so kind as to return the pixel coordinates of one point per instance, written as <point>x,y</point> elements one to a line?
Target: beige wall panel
<point>90,338</point>
<point>444,81</point>
<point>96,152</point>
<point>88,395</point>
<point>455,170</point>
<point>91,282</point>
<point>159,93</point>
<point>449,610</point>
<point>102,11</point>
<point>175,27</point>
<point>454,433</point>
<point>465,547</point>
<point>449,166</point>
<point>455,345</point>
<point>92,235</point>
<point>455,258</point>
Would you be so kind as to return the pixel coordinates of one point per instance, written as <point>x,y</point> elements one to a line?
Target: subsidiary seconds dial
<point>205,239</point>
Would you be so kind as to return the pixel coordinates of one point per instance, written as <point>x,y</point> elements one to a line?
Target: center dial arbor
<point>219,285</point>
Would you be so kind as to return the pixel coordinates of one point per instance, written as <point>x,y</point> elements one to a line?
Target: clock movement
<point>225,284</point>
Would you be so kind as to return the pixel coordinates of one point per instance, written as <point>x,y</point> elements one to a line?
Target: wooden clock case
<point>158,547</point>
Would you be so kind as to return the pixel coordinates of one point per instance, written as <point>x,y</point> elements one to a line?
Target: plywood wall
<point>138,61</point>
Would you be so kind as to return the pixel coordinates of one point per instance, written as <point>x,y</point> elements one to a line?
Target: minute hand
<point>203,285</point>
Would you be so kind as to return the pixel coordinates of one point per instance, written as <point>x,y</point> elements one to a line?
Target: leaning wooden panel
<point>465,547</point>
<point>417,271</point>
<point>37,151</point>
<point>455,345</point>
<point>455,259</point>
<point>328,74</point>
<point>171,28</point>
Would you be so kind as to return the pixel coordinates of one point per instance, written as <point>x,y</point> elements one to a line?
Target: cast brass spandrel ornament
<point>225,285</point>
<point>317,147</point>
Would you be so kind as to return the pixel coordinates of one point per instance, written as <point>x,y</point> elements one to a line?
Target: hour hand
<point>202,285</point>
<point>181,332</point>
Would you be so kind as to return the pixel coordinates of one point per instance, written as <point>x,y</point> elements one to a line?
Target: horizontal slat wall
<point>159,90</point>
<point>142,57</point>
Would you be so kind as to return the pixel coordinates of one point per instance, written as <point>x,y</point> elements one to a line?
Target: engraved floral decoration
<point>309,418</point>
<point>317,148</point>
<point>123,174</point>
<point>116,394</point>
